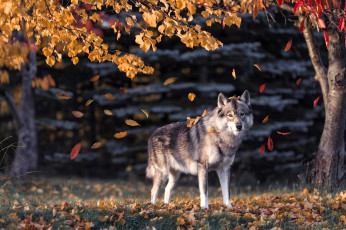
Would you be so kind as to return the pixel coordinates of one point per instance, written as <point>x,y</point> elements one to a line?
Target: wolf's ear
<point>221,100</point>
<point>245,97</point>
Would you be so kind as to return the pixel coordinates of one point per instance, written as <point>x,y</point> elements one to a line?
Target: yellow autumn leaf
<point>258,67</point>
<point>191,96</point>
<point>131,122</point>
<point>63,96</point>
<point>233,74</point>
<point>89,102</point>
<point>96,145</point>
<point>205,113</point>
<point>180,221</point>
<point>120,134</point>
<point>169,80</point>
<point>145,112</point>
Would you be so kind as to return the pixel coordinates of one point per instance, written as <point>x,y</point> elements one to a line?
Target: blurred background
<point>204,73</point>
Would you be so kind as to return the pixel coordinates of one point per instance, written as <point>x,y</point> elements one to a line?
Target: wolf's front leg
<point>203,185</point>
<point>224,175</point>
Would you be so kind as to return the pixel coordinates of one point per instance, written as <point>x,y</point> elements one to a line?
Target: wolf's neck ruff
<point>176,148</point>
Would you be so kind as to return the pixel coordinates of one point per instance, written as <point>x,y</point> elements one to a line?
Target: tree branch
<point>321,73</point>
<point>17,119</point>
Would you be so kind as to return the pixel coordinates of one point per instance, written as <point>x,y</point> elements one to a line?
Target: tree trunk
<point>26,156</point>
<point>329,162</point>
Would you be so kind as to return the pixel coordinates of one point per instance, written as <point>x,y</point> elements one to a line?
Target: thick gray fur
<point>176,148</point>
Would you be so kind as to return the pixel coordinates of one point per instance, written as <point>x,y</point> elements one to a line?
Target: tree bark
<point>329,162</point>
<point>26,156</point>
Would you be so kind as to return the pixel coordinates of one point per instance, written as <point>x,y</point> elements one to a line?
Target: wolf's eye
<point>242,114</point>
<point>229,115</point>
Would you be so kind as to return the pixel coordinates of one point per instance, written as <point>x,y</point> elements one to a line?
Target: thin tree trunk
<point>328,167</point>
<point>26,156</point>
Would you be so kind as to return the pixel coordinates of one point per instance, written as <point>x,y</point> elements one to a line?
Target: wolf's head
<point>235,113</point>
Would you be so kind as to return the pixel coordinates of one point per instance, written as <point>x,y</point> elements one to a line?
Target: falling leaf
<point>123,90</point>
<point>298,81</point>
<point>316,100</point>
<point>223,23</point>
<point>89,102</point>
<point>211,131</point>
<point>191,96</point>
<point>109,96</point>
<point>205,113</point>
<point>75,151</point>
<point>131,122</point>
<point>170,80</point>
<point>288,45</point>
<point>265,120</point>
<point>63,96</point>
<point>94,78</point>
<point>77,114</point>
<point>261,150</point>
<point>341,25</point>
<point>258,67</point>
<point>282,133</point>
<point>233,74</point>
<point>120,134</point>
<point>96,145</point>
<point>190,122</point>
<point>280,2</point>
<point>51,80</point>
<point>262,87</point>
<point>145,112</point>
<point>270,144</point>
<point>326,38</point>
<point>108,112</point>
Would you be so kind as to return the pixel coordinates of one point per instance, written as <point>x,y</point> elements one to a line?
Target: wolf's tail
<point>150,171</point>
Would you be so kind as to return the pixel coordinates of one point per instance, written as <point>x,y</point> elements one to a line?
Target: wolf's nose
<point>239,127</point>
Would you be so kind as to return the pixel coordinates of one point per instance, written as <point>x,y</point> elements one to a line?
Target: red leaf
<point>288,45</point>
<point>280,2</point>
<point>326,38</point>
<point>341,25</point>
<point>298,81</point>
<point>75,150</point>
<point>297,6</point>
<point>302,25</point>
<point>262,87</point>
<point>316,100</point>
<point>321,23</point>
<point>286,133</point>
<point>223,23</point>
<point>270,144</point>
<point>261,150</point>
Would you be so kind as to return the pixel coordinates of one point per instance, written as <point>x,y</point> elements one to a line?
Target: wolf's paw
<point>229,205</point>
<point>204,206</point>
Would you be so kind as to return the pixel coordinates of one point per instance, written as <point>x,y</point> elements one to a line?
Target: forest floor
<point>72,203</point>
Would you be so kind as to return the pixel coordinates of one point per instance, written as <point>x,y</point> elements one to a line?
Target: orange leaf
<point>108,112</point>
<point>63,96</point>
<point>75,150</point>
<point>265,119</point>
<point>288,45</point>
<point>145,112</point>
<point>258,67</point>
<point>270,144</point>
<point>96,145</point>
<point>95,78</point>
<point>205,113</point>
<point>109,96</point>
<point>281,133</point>
<point>51,80</point>
<point>191,96</point>
<point>169,80</point>
<point>261,150</point>
<point>321,23</point>
<point>211,131</point>
<point>262,87</point>
<point>120,134</point>
<point>77,114</point>
<point>298,81</point>
<point>316,100</point>
<point>233,74</point>
<point>131,122</point>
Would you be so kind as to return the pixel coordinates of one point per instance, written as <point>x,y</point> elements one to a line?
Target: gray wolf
<point>176,148</point>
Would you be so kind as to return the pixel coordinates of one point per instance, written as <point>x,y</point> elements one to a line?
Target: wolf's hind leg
<point>173,177</point>
<point>157,181</point>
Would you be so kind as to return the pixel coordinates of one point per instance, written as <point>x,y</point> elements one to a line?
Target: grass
<point>74,203</point>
